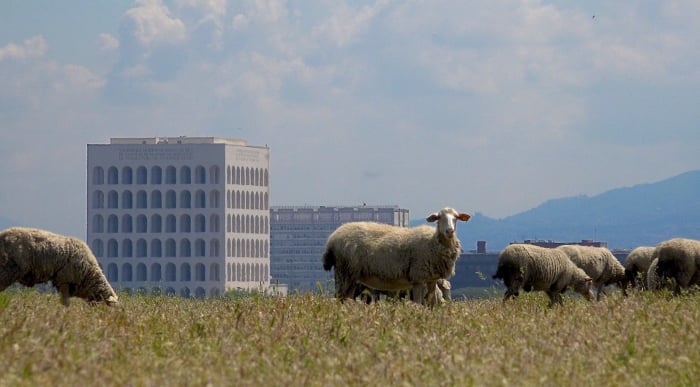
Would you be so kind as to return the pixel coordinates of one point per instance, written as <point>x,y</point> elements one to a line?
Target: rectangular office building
<point>185,216</point>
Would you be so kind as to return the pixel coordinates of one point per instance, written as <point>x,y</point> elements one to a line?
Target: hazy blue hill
<point>627,217</point>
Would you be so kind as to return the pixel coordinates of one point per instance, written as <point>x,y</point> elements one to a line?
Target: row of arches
<point>239,272</point>
<point>247,200</point>
<point>157,175</point>
<point>156,223</point>
<point>156,199</point>
<point>156,248</point>
<point>184,175</point>
<point>185,292</point>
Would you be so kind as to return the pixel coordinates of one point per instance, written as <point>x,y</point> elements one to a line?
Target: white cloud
<point>346,24</point>
<point>153,24</point>
<point>35,47</point>
<point>108,42</point>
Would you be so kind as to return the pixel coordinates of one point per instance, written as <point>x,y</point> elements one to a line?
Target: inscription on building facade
<point>156,154</point>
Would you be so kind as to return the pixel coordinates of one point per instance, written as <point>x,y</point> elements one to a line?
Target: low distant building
<point>298,236</point>
<point>552,244</point>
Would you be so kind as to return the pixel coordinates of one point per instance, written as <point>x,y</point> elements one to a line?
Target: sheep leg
<point>418,293</point>
<point>8,275</point>
<point>64,291</point>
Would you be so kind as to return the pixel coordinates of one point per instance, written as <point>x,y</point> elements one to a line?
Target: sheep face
<point>447,221</point>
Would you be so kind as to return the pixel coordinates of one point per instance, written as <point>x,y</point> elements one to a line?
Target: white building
<point>299,234</point>
<point>180,215</point>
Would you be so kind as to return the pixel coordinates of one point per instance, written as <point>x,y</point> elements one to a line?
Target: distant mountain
<point>643,214</point>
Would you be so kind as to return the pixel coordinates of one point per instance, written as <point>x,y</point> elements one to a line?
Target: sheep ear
<point>463,216</point>
<point>432,217</point>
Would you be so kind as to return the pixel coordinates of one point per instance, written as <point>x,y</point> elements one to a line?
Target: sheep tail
<point>328,260</point>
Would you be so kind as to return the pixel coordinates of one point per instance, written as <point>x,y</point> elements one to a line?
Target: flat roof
<point>176,140</point>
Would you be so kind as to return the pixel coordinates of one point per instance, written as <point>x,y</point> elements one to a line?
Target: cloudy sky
<point>489,106</point>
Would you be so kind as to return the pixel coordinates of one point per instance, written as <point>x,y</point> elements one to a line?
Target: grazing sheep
<point>385,257</point>
<point>653,278</point>
<point>637,265</point>
<point>599,264</point>
<point>32,256</point>
<point>679,260</point>
<point>437,294</point>
<point>537,268</point>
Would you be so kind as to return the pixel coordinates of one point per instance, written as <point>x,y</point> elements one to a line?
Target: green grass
<point>309,340</point>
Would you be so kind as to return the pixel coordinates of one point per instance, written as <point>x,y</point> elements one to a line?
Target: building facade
<point>184,216</point>
<point>298,238</point>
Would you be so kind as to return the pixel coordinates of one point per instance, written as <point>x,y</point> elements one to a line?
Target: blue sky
<point>490,106</point>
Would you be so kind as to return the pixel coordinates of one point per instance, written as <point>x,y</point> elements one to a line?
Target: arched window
<point>112,175</point>
<point>228,175</point>
<point>266,178</point>
<point>214,248</point>
<point>214,174</point>
<point>185,248</point>
<point>98,176</point>
<point>170,274</point>
<point>170,248</point>
<point>98,224</point>
<point>141,175</point>
<point>185,223</point>
<point>127,224</point>
<point>214,272</point>
<point>141,248</point>
<point>156,199</point>
<point>141,223</point>
<point>155,272</point>
<point>112,224</point>
<point>185,273</point>
<point>199,248</point>
<point>156,248</point>
<point>156,223</point>
<point>199,223</point>
<point>156,175</point>
<point>170,175</point>
<point>214,199</point>
<point>127,199</point>
<point>112,248</point>
<point>141,272</point>
<point>199,272</point>
<point>98,199</point>
<point>112,199</point>
<point>185,175</point>
<point>126,175</point>
<point>127,248</point>
<point>185,199</point>
<point>214,223</point>
<point>126,272</point>
<point>200,199</point>
<point>200,175</point>
<point>170,225</point>
<point>141,199</point>
<point>170,199</point>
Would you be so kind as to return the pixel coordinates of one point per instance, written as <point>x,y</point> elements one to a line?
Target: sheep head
<point>447,221</point>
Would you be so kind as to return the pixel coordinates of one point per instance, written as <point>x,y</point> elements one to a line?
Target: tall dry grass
<point>311,340</point>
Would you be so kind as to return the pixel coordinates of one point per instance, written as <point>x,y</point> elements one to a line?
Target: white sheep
<point>679,260</point>
<point>537,268</point>
<point>437,294</point>
<point>32,256</point>
<point>637,265</point>
<point>599,264</point>
<point>385,257</point>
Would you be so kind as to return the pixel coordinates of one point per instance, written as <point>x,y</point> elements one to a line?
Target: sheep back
<point>32,256</point>
<point>679,259</point>
<point>536,268</point>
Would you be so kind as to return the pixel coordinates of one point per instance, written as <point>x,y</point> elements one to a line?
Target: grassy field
<point>311,340</point>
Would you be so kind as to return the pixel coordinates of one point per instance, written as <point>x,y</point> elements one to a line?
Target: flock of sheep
<point>376,257</point>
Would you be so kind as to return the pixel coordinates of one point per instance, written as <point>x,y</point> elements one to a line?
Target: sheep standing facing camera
<point>390,258</point>
<point>31,256</point>
<point>537,268</point>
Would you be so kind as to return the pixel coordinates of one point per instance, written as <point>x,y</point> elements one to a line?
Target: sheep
<point>537,268</point>
<point>637,265</point>
<point>391,258</point>
<point>599,264</point>
<point>437,294</point>
<point>679,260</point>
<point>32,256</point>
